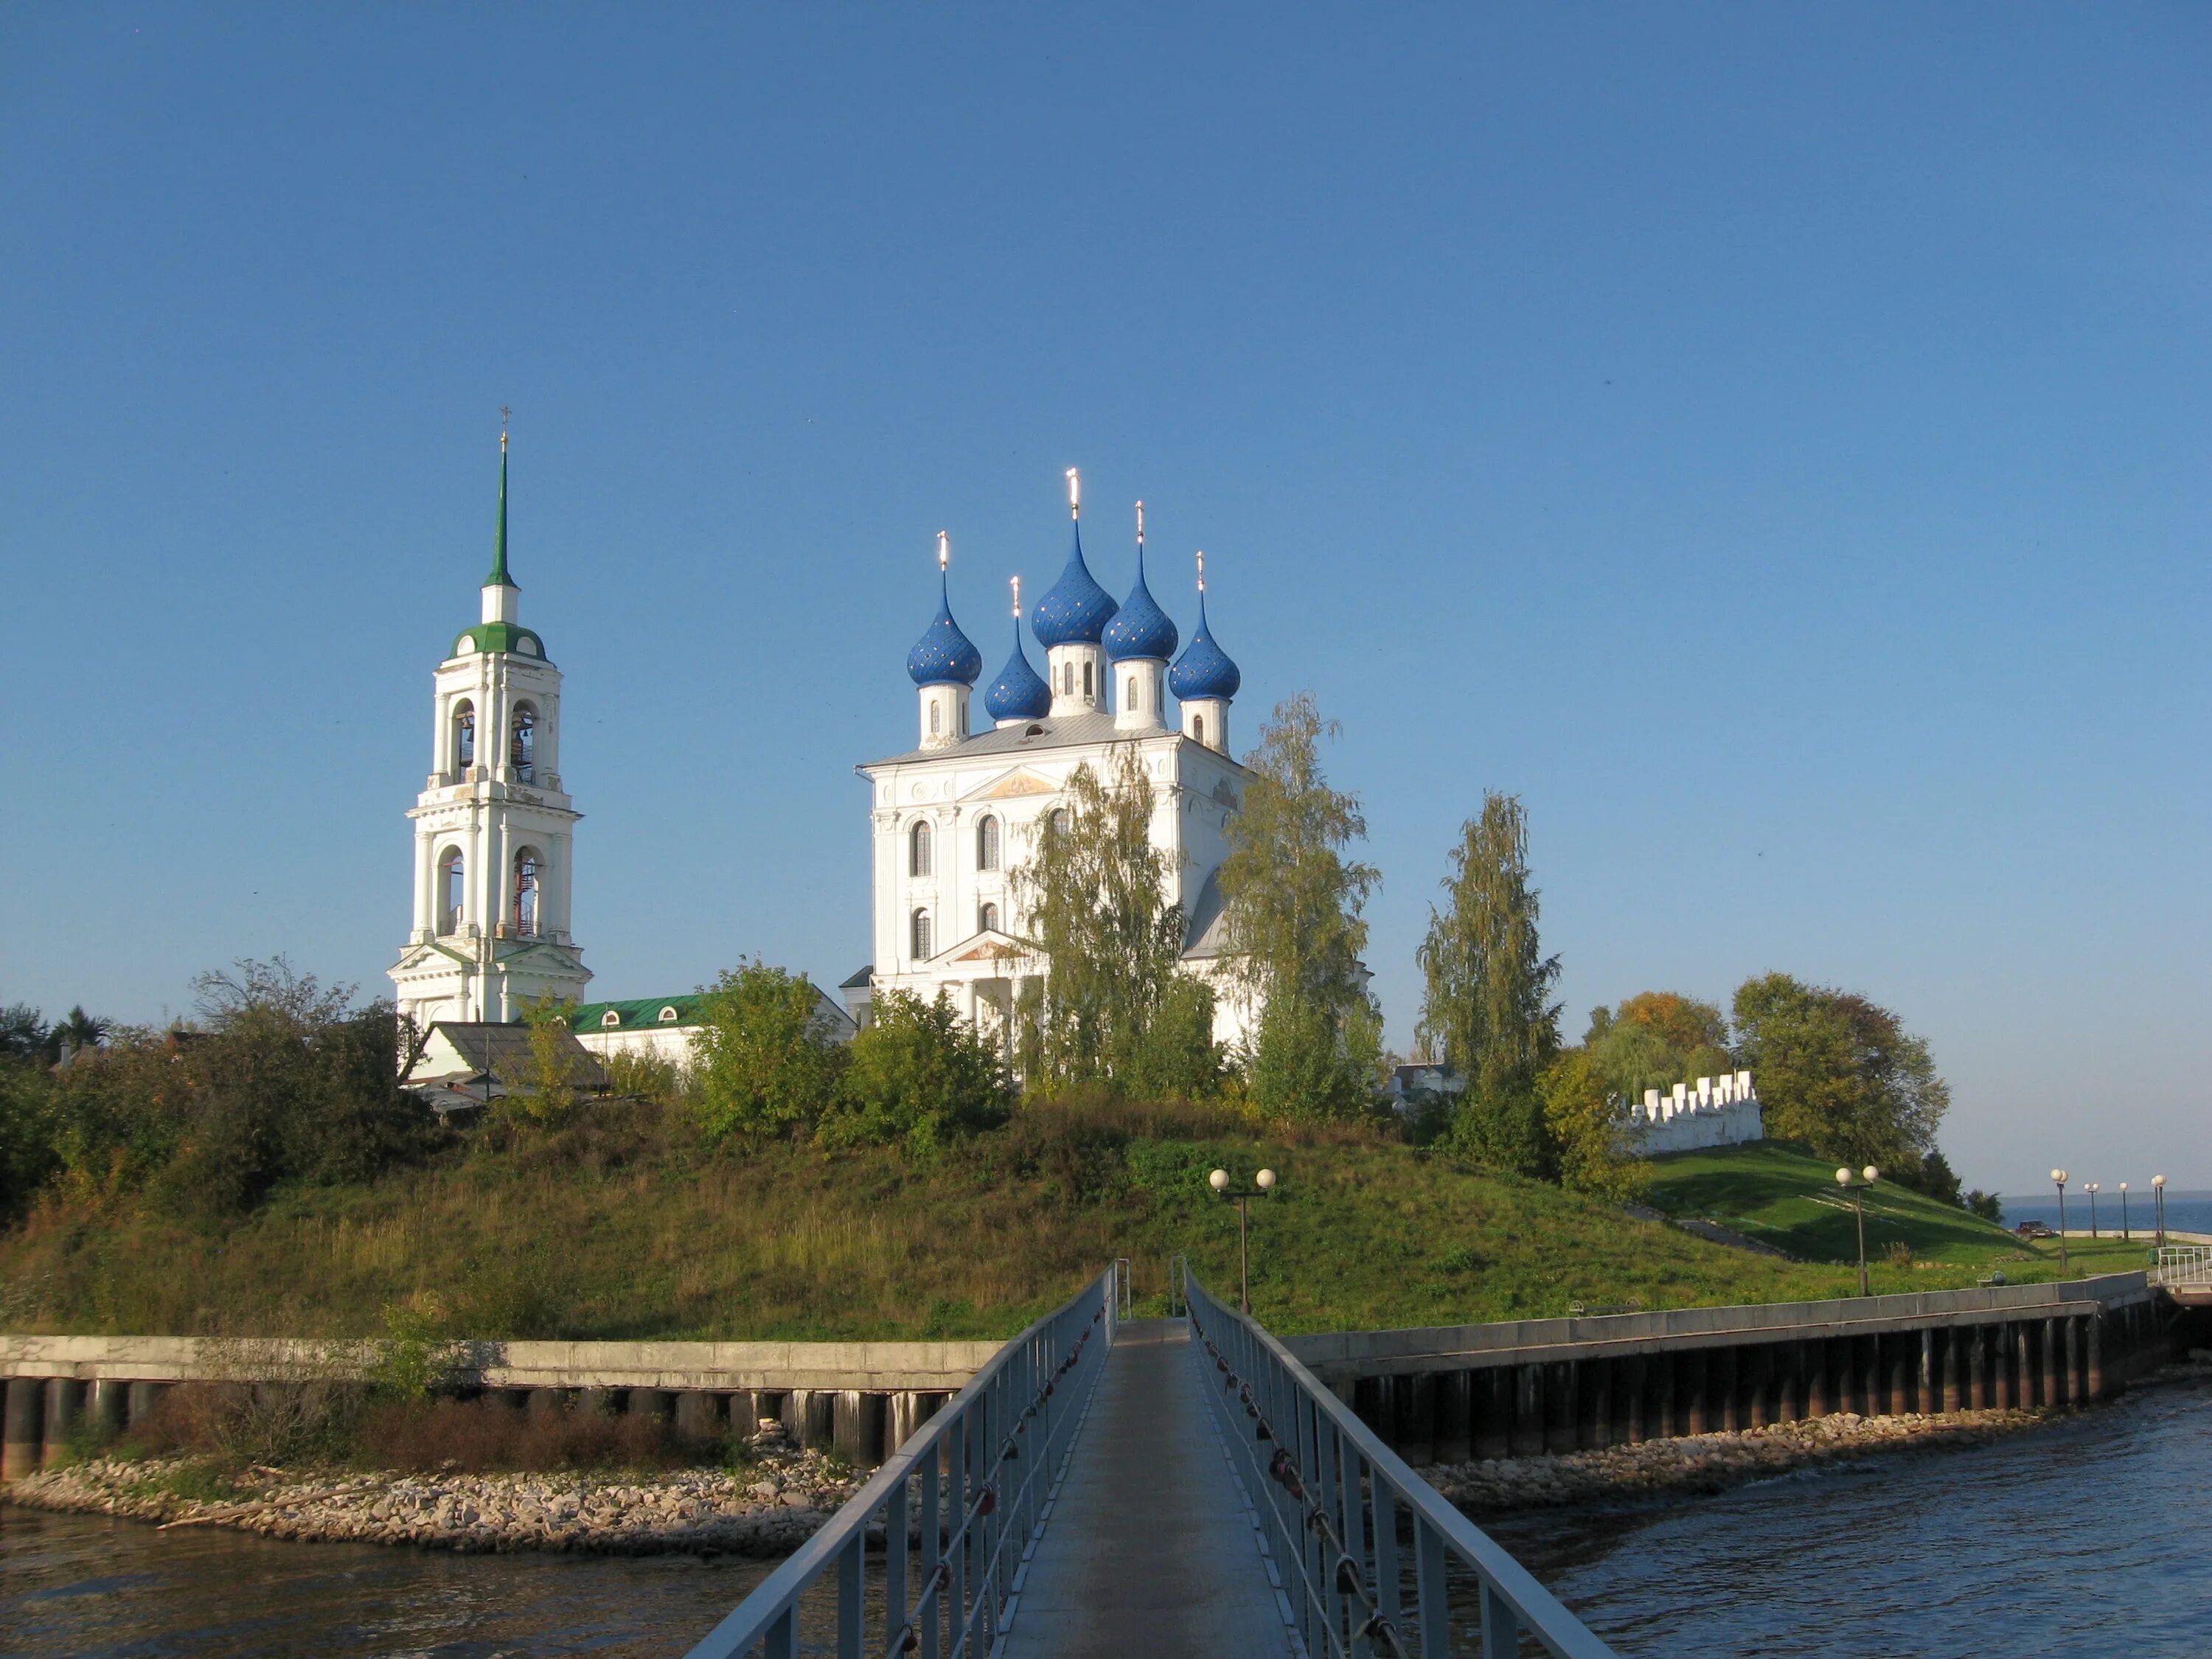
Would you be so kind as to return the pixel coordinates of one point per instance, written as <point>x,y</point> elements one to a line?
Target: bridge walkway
<point>1149,1549</point>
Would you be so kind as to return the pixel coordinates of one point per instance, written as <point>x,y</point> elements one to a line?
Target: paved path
<point>1150,1551</point>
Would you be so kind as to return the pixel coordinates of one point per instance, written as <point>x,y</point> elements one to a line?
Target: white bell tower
<point>494,833</point>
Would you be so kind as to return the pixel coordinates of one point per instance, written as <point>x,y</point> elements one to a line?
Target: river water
<point>2084,1536</point>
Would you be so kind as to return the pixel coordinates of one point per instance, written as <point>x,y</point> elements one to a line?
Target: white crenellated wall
<point>1722,1111</point>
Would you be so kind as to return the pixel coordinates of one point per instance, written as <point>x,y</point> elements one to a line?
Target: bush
<point>767,1062</point>
<point>473,1436</point>
<point>917,1076</point>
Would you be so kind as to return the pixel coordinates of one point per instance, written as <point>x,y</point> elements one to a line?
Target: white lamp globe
<point>1265,1179</point>
<point>1871,1174</point>
<point>2158,1180</point>
<point>2059,1176</point>
<point>1842,1177</point>
<point>1218,1180</point>
<point>2124,1186</point>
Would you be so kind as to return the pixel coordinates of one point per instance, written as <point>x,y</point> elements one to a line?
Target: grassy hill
<point>625,1226</point>
<point>1782,1195</point>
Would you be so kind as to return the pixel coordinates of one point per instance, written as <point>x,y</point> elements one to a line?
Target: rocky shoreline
<point>768,1510</point>
<point>1708,1462</point>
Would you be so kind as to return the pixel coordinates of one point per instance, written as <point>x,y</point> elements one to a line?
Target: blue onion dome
<point>945,655</point>
<point>1204,669</point>
<point>1141,629</point>
<point>1076,609</point>
<point>1020,692</point>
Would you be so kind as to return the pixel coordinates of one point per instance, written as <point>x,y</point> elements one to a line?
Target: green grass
<point>1782,1195</point>
<point>642,1233</point>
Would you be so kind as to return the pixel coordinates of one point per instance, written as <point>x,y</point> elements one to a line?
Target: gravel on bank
<point>1707,1463</point>
<point>767,1510</point>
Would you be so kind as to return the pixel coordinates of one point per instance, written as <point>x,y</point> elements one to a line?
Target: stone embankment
<point>768,1509</point>
<point>1706,1462</point>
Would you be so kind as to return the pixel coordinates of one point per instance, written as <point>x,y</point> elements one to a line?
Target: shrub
<point>767,1064</point>
<point>477,1435</point>
<point>918,1075</point>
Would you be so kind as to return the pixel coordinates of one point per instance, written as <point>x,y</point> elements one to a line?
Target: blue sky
<point>1770,440</point>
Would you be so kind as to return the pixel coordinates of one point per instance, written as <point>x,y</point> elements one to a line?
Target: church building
<point>493,832</point>
<point>955,816</point>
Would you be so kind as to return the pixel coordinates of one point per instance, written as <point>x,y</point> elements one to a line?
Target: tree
<point>549,1077</point>
<point>918,1075</point>
<point>767,1064</point>
<point>22,1032</point>
<point>1657,1039</point>
<point>1293,902</point>
<point>1840,1073</point>
<point>1117,1008</point>
<point>1487,1013</point>
<point>1588,1122</point>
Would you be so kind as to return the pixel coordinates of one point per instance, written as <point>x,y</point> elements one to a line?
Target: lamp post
<point>2092,1188</point>
<point>1263,1184</point>
<point>2126,1237</point>
<point>2158,1196</point>
<point>2059,1177</point>
<point>1856,1187</point>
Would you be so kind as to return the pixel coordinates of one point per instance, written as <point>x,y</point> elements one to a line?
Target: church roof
<point>1204,670</point>
<point>500,636</point>
<point>1206,930</point>
<point>503,1052</point>
<point>1142,631</point>
<point>1020,692</point>
<point>1076,609</point>
<point>944,655</point>
<point>1086,731</point>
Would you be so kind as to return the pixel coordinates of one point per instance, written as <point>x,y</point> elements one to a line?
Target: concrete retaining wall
<point>1520,1387</point>
<point>862,1398</point>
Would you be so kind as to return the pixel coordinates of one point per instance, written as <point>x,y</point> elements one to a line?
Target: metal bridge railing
<point>2180,1265</point>
<point>973,1485</point>
<point>1341,1514</point>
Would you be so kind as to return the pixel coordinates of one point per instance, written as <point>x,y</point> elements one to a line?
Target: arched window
<point>612,1016</point>
<point>1132,701</point>
<point>917,849</point>
<point>464,736</point>
<point>932,717</point>
<point>1058,820</point>
<point>1086,679</point>
<point>987,843</point>
<point>453,889</point>
<point>922,950</point>
<point>986,918</point>
<point>669,1016</point>
<point>525,894</point>
<point>1198,727</point>
<point>522,742</point>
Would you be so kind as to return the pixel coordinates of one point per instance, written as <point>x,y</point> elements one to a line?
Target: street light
<point>1856,1189</point>
<point>2092,1188</point>
<point>1264,1183</point>
<point>2059,1176</point>
<point>2158,1195</point>
<point>2126,1237</point>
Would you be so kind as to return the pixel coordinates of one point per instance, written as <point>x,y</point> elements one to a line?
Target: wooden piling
<point>1455,1429</point>
<point>24,1411</point>
<point>1492,1388</point>
<point>65,1400</point>
<point>1528,1430</point>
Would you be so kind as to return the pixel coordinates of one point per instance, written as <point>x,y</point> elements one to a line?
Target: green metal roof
<point>500,636</point>
<point>637,1014</point>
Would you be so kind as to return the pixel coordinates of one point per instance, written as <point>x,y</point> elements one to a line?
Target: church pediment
<point>1019,782</point>
<point>990,947</point>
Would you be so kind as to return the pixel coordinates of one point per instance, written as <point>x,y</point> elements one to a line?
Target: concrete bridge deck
<point>1149,1549</point>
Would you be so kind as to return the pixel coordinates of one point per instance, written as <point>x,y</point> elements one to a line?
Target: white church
<point>951,819</point>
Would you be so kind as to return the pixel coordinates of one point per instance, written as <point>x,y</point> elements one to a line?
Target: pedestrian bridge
<point>1146,1488</point>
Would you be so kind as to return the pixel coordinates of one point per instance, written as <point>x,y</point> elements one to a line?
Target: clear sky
<point>1771,441</point>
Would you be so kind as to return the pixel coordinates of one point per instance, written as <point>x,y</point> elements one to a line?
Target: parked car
<point>2034,1230</point>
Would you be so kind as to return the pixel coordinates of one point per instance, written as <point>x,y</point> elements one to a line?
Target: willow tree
<point>1294,900</point>
<point>1117,1008</point>
<point>1487,1012</point>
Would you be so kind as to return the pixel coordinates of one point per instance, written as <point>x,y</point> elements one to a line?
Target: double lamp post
<point>1262,1185</point>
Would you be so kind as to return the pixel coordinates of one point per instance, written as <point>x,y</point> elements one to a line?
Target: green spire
<point>499,578</point>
